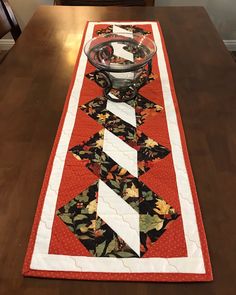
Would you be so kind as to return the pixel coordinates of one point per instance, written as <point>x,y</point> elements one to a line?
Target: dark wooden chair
<point>105,2</point>
<point>8,23</point>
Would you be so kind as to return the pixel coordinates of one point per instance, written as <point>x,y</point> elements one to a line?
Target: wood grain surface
<point>34,79</point>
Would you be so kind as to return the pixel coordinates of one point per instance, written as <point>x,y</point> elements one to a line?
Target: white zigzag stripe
<point>122,32</point>
<point>120,152</point>
<point>119,51</point>
<point>120,216</point>
<point>122,110</point>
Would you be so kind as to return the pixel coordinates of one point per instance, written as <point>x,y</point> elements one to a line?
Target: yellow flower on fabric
<point>162,207</point>
<point>150,142</point>
<point>132,192</point>
<point>158,108</point>
<point>122,171</point>
<point>99,142</point>
<point>83,229</point>
<point>92,207</point>
<point>159,225</point>
<point>91,111</point>
<point>153,76</point>
<point>103,117</point>
<point>76,156</point>
<point>101,132</point>
<point>93,224</point>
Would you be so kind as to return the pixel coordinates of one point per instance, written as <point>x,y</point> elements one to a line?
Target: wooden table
<point>34,80</point>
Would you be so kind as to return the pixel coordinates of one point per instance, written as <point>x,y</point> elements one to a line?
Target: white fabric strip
<point>121,52</point>
<point>120,31</point>
<point>110,264</point>
<point>118,48</point>
<point>121,152</point>
<point>120,216</point>
<point>123,111</point>
<point>41,260</point>
<point>113,96</point>
<point>126,75</point>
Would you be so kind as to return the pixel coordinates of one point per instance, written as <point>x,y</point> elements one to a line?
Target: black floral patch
<point>100,163</point>
<point>150,149</point>
<point>145,108</point>
<point>80,216</point>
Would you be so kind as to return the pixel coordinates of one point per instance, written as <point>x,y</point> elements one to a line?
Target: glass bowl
<point>102,51</point>
<point>121,60</point>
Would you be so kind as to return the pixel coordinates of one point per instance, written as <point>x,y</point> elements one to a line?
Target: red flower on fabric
<point>86,148</point>
<point>95,168</point>
<point>80,205</point>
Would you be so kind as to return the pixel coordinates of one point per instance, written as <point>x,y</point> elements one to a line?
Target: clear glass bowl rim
<point>119,67</point>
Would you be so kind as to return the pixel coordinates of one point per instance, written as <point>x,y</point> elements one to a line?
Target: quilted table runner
<point>118,200</point>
